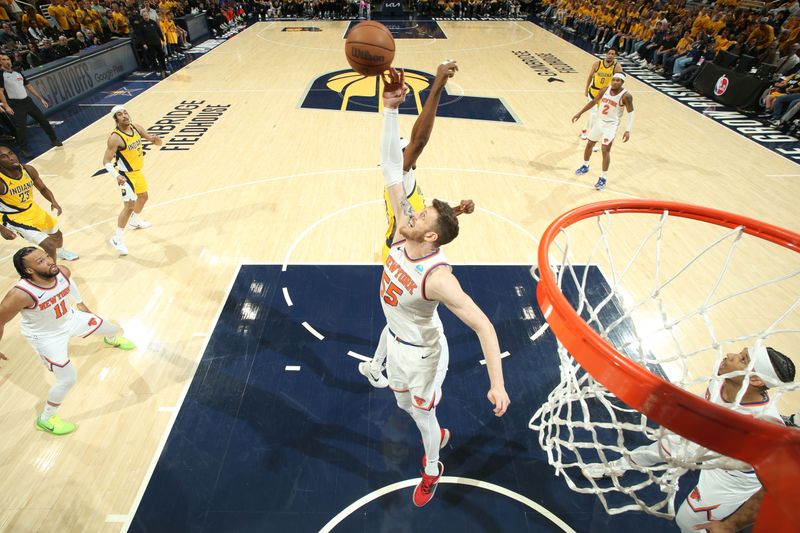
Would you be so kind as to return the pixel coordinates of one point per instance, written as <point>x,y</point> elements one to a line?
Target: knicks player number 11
<point>389,291</point>
<point>61,308</point>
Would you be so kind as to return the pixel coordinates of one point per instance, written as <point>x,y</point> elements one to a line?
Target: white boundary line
<point>314,332</point>
<point>286,297</point>
<point>359,356</point>
<point>292,368</point>
<point>502,356</point>
<point>374,495</point>
<point>160,448</point>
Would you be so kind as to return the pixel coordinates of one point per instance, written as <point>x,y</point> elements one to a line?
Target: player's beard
<point>412,234</point>
<point>50,273</point>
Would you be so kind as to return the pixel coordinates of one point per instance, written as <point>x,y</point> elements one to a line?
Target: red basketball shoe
<point>426,487</point>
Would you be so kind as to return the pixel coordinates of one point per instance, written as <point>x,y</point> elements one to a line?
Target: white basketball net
<point>670,309</point>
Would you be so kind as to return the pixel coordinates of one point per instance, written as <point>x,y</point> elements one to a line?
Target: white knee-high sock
<point>66,377</point>
<point>379,358</point>
<point>431,437</point>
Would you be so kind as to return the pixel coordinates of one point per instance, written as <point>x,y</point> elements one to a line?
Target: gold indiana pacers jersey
<point>19,195</point>
<point>602,78</point>
<point>130,158</point>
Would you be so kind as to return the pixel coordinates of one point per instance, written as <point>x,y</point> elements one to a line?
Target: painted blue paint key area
<point>257,448</point>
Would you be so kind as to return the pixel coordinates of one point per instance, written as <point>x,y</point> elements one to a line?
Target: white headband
<point>116,109</point>
<point>619,75</point>
<point>763,366</point>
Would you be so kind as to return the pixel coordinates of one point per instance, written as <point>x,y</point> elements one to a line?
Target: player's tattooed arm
<point>406,208</point>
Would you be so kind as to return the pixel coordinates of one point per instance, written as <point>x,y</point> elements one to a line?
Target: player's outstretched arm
<point>394,94</point>
<point>74,293</point>
<point>443,286</point>
<point>42,188</point>
<point>588,106</point>
<point>421,132</point>
<point>155,139</point>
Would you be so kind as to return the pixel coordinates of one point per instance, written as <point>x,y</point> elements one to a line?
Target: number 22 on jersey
<point>389,291</point>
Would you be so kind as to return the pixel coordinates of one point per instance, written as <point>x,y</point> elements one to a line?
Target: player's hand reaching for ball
<point>394,89</point>
<point>445,71</point>
<point>466,207</point>
<point>499,398</point>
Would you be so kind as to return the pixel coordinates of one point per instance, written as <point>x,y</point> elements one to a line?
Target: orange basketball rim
<point>773,450</point>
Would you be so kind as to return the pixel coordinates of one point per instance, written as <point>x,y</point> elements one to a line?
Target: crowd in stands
<point>673,38</point>
<point>350,9</point>
<point>44,32</point>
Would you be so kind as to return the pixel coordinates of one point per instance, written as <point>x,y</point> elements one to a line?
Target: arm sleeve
<point>630,121</point>
<point>74,292</point>
<point>391,152</point>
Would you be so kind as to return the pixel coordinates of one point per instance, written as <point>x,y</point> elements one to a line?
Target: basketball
<point>369,48</point>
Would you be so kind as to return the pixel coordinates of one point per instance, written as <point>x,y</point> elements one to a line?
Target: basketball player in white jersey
<point>416,277</point>
<point>719,493</point>
<point>48,321</point>
<point>611,102</point>
<point>412,149</point>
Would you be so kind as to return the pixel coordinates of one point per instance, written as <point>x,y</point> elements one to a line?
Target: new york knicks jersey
<point>765,409</point>
<point>611,107</point>
<point>601,78</point>
<point>50,315</point>
<point>409,314</point>
<point>19,193</point>
<point>130,158</point>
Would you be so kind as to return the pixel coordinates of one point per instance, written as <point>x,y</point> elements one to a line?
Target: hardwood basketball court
<point>272,182</point>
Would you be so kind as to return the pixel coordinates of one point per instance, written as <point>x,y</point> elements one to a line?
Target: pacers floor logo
<point>347,90</point>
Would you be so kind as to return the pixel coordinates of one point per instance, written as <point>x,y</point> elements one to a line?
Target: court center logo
<point>721,86</point>
<point>347,90</point>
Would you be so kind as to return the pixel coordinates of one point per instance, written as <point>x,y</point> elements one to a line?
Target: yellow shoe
<point>119,342</point>
<point>55,426</point>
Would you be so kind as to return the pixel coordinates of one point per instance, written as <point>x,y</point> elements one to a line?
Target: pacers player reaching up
<point>412,149</point>
<point>599,78</point>
<point>40,296</point>
<point>416,277</point>
<point>23,216</point>
<point>125,149</point>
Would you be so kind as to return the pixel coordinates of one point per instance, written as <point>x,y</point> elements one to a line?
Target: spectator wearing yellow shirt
<point>72,17</point>
<point>722,41</point>
<point>761,37</point>
<point>701,23</point>
<point>681,49</point>
<point>59,14</point>
<point>118,21</point>
<point>33,23</point>
<point>170,32</point>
